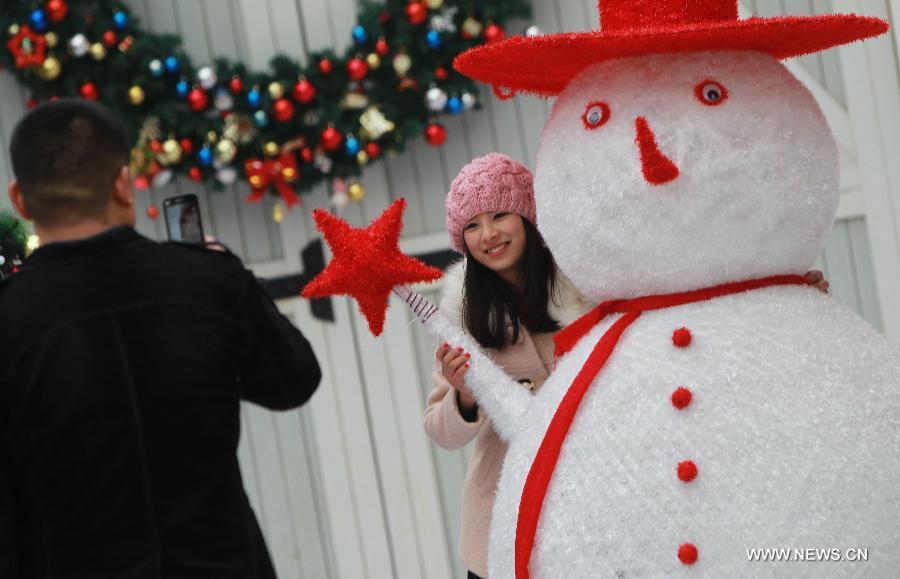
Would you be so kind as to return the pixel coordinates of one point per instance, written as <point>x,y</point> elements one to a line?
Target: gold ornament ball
<point>362,157</point>
<point>271,149</point>
<point>212,137</point>
<point>356,192</point>
<point>13,29</point>
<point>276,90</point>
<point>52,39</point>
<point>434,4</point>
<point>171,151</point>
<point>226,151</point>
<point>98,51</point>
<point>373,60</point>
<point>402,64</point>
<point>51,68</point>
<point>136,95</point>
<point>278,213</point>
<point>289,174</point>
<point>472,27</point>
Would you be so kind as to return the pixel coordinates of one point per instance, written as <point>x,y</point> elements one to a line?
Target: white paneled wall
<point>349,486</point>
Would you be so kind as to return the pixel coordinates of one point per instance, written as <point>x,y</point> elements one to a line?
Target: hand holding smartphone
<point>183,222</point>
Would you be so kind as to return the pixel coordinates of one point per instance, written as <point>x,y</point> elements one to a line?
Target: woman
<point>507,294</point>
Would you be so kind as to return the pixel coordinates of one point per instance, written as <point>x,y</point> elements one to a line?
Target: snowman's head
<point>666,173</point>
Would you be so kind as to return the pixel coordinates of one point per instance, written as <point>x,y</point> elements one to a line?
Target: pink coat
<point>532,359</point>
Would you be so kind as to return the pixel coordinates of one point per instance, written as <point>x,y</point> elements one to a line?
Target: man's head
<point>70,159</point>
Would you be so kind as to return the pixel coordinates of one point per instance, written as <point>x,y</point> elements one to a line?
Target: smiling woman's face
<point>496,240</point>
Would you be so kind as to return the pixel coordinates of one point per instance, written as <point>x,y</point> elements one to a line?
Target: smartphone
<point>183,219</point>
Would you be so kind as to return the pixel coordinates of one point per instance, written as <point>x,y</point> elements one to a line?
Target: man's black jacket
<point>122,365</point>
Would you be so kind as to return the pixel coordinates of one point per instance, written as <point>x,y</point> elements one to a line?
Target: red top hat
<point>544,64</point>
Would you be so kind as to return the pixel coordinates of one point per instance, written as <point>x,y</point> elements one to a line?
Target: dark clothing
<point>122,366</point>
<point>472,576</point>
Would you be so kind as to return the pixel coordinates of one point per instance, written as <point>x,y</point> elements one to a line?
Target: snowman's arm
<point>502,398</point>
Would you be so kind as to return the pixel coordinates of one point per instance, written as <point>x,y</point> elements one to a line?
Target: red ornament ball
<point>187,146</point>
<point>110,39</point>
<point>57,10</point>
<point>435,134</point>
<point>89,91</point>
<point>195,174</point>
<point>416,12</point>
<point>331,139</point>
<point>687,554</point>
<point>687,471</point>
<point>283,110</point>
<point>155,146</point>
<point>325,66</point>
<point>441,73</point>
<point>494,33</point>
<point>381,47</point>
<point>152,211</point>
<point>236,85</point>
<point>357,69</point>
<point>373,150</point>
<point>32,103</point>
<point>198,99</point>
<point>682,337</point>
<point>681,398</point>
<point>304,91</point>
<point>306,155</point>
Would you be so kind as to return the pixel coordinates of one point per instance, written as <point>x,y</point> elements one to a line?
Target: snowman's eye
<point>711,93</point>
<point>595,115</point>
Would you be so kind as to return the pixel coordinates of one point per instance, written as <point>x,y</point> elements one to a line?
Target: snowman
<point>712,406</point>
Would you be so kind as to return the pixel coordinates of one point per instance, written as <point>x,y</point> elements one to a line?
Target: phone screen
<point>183,219</point>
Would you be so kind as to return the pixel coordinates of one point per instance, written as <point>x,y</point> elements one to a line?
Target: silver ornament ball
<point>207,77</point>
<point>435,99</point>
<point>79,45</point>
<point>533,31</point>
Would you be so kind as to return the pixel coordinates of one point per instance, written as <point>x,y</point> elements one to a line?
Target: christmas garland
<point>13,243</point>
<point>284,130</point>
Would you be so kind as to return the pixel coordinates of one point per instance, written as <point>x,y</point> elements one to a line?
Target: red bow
<point>280,172</point>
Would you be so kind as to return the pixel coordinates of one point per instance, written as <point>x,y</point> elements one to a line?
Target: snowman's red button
<point>687,471</point>
<point>681,398</point>
<point>681,338</point>
<point>688,554</point>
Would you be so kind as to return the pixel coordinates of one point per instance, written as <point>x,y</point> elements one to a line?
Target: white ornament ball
<point>533,31</point>
<point>468,100</point>
<point>226,175</point>
<point>223,101</point>
<point>207,78</point>
<point>435,99</point>
<point>79,45</point>
<point>162,179</point>
<point>340,199</point>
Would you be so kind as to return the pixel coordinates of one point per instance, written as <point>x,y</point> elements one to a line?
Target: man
<point>122,366</point>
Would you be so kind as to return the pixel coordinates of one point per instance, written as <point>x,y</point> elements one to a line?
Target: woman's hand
<point>816,279</point>
<point>454,363</point>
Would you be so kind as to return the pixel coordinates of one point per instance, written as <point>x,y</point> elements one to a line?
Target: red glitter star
<point>367,263</point>
<point>28,47</point>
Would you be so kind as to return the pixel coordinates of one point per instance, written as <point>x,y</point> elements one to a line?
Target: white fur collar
<point>572,305</point>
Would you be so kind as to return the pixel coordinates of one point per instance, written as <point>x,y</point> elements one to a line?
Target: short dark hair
<point>489,301</point>
<point>66,156</point>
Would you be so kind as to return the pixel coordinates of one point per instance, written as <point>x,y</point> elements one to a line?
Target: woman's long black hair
<point>489,301</point>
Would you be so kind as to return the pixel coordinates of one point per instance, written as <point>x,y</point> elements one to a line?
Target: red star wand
<point>367,263</point>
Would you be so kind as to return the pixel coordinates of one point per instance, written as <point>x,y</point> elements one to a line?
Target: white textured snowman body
<point>794,420</point>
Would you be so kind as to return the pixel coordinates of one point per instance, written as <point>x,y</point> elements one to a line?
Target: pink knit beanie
<point>490,183</point>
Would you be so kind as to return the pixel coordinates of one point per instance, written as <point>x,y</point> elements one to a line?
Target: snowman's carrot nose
<point>657,168</point>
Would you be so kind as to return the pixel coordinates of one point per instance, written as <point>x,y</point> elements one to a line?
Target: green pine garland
<point>99,50</point>
<point>13,240</point>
